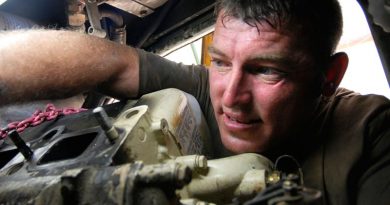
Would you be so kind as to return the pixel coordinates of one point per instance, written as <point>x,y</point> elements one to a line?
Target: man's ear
<point>334,73</point>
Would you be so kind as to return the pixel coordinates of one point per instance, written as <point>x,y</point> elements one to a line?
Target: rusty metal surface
<point>105,185</point>
<point>140,8</point>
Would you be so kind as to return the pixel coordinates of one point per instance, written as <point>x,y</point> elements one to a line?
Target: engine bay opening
<point>7,156</point>
<point>66,149</point>
<point>49,135</point>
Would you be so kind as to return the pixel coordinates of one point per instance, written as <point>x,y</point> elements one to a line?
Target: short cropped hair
<point>318,22</point>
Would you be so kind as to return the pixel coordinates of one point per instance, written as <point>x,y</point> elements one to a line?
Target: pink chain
<point>37,118</point>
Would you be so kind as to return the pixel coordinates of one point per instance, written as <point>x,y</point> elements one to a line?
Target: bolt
<point>164,126</point>
<point>274,177</point>
<point>290,186</point>
<point>143,12</point>
<point>183,175</point>
<point>287,184</point>
<point>20,144</point>
<point>201,161</point>
<point>102,118</point>
<point>106,124</point>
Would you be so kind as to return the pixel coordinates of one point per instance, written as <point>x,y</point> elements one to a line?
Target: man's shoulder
<point>347,102</point>
<point>352,119</point>
<point>355,116</point>
<point>353,125</point>
<point>343,93</point>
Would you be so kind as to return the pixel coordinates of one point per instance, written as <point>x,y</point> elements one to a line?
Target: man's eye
<point>220,65</point>
<point>218,62</point>
<point>267,73</point>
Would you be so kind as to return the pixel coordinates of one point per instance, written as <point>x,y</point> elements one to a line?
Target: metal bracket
<point>94,19</point>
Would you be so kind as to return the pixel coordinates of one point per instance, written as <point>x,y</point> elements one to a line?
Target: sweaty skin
<point>261,85</point>
<point>42,64</point>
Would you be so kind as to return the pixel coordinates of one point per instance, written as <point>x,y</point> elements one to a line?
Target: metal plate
<point>140,8</point>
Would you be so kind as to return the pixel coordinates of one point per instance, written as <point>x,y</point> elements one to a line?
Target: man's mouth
<point>239,123</point>
<point>243,121</point>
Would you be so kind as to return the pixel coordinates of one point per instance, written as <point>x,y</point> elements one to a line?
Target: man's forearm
<point>42,64</point>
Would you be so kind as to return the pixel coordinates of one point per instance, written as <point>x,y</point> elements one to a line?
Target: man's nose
<point>238,89</point>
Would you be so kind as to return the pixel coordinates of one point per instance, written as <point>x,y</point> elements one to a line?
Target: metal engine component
<point>111,155</point>
<point>147,151</point>
<point>140,8</point>
<point>238,177</point>
<point>94,19</point>
<point>103,185</point>
<point>148,130</point>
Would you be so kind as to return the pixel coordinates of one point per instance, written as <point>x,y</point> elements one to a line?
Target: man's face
<point>261,86</point>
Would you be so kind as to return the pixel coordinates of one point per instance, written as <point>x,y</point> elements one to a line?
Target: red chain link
<point>37,118</point>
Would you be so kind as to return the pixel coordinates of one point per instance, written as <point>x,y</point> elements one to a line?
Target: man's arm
<point>43,64</point>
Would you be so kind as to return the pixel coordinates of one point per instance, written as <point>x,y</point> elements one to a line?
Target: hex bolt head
<point>201,161</point>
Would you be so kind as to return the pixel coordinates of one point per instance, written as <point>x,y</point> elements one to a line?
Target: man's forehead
<point>257,24</point>
<point>233,29</point>
<point>233,25</point>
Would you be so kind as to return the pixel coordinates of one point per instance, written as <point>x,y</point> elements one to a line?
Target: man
<point>272,87</point>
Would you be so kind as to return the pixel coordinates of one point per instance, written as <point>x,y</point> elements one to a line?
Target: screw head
<point>143,12</point>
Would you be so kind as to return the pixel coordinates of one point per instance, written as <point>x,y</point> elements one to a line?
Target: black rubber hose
<point>114,17</point>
